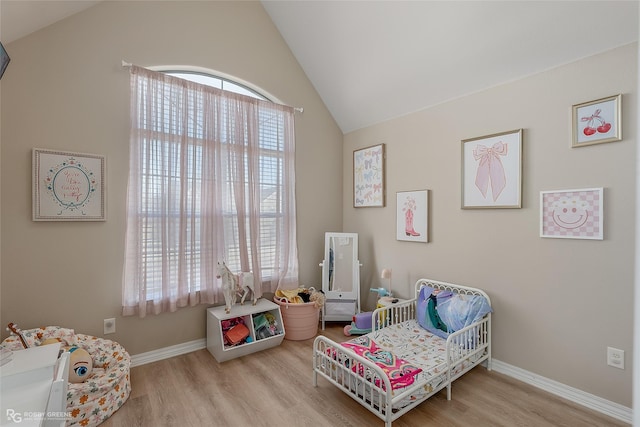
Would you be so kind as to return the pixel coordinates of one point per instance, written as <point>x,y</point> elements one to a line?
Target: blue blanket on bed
<point>444,312</point>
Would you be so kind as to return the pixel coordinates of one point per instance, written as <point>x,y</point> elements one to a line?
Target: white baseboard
<point>167,352</point>
<point>580,397</point>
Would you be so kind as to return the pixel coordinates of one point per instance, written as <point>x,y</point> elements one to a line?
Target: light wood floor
<point>273,388</point>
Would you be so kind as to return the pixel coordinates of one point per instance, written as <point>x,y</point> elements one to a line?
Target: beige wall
<point>558,302</point>
<point>65,89</point>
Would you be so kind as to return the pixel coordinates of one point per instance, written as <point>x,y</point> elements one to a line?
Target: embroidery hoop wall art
<point>492,170</point>
<point>368,177</point>
<point>596,122</point>
<point>68,186</point>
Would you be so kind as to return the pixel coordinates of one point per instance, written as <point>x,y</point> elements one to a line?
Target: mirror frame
<point>354,293</point>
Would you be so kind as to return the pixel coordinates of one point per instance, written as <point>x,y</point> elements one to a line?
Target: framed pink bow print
<point>596,122</point>
<point>492,171</point>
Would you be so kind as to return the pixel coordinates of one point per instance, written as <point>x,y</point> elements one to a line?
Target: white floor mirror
<point>340,277</point>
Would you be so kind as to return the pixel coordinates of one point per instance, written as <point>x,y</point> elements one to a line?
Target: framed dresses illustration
<point>368,177</point>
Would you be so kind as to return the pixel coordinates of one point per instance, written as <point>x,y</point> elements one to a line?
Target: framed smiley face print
<point>572,214</point>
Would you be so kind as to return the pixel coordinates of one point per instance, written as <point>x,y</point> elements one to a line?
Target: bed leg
<point>449,391</point>
<point>315,373</point>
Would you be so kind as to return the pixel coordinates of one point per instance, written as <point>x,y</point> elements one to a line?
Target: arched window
<point>217,82</point>
<point>211,179</point>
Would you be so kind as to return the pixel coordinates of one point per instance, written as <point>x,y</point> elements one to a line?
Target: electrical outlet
<point>615,357</point>
<point>110,326</point>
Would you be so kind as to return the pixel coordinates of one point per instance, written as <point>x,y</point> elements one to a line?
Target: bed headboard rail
<point>445,286</point>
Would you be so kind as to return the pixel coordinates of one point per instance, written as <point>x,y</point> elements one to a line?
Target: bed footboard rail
<point>467,348</point>
<point>356,376</point>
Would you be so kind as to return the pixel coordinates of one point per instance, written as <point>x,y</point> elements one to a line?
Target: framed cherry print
<point>596,122</point>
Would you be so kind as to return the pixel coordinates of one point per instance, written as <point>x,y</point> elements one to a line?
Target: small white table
<point>25,385</point>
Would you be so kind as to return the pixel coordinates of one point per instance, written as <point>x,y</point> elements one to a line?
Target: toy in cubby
<point>265,325</point>
<point>235,332</point>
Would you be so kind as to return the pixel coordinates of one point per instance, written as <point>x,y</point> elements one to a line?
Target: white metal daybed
<point>427,363</point>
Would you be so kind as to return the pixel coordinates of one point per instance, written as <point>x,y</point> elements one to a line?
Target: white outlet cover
<point>109,326</point>
<point>615,357</point>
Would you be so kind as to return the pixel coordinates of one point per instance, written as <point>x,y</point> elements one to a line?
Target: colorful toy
<point>360,325</point>
<point>80,361</point>
<point>382,292</point>
<point>80,364</point>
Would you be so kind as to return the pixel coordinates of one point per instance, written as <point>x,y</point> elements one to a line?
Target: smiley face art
<point>570,212</point>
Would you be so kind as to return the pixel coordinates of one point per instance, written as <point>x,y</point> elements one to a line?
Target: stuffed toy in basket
<point>104,390</point>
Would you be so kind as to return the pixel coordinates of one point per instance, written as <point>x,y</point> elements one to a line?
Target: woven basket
<point>300,320</point>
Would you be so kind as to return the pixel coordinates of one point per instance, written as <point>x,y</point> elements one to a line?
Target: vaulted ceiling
<point>375,60</point>
<point>371,61</point>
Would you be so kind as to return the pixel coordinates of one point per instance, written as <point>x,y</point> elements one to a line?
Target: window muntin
<point>217,82</point>
<point>164,134</point>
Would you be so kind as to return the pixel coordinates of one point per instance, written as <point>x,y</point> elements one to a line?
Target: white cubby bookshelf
<point>215,339</point>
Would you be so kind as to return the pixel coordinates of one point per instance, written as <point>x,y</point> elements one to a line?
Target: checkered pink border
<point>591,229</point>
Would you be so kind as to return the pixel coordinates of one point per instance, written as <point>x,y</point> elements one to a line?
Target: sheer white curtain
<point>211,178</point>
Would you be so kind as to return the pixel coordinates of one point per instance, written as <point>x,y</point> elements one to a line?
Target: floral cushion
<point>107,388</point>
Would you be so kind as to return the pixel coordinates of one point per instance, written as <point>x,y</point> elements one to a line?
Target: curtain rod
<point>126,64</point>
